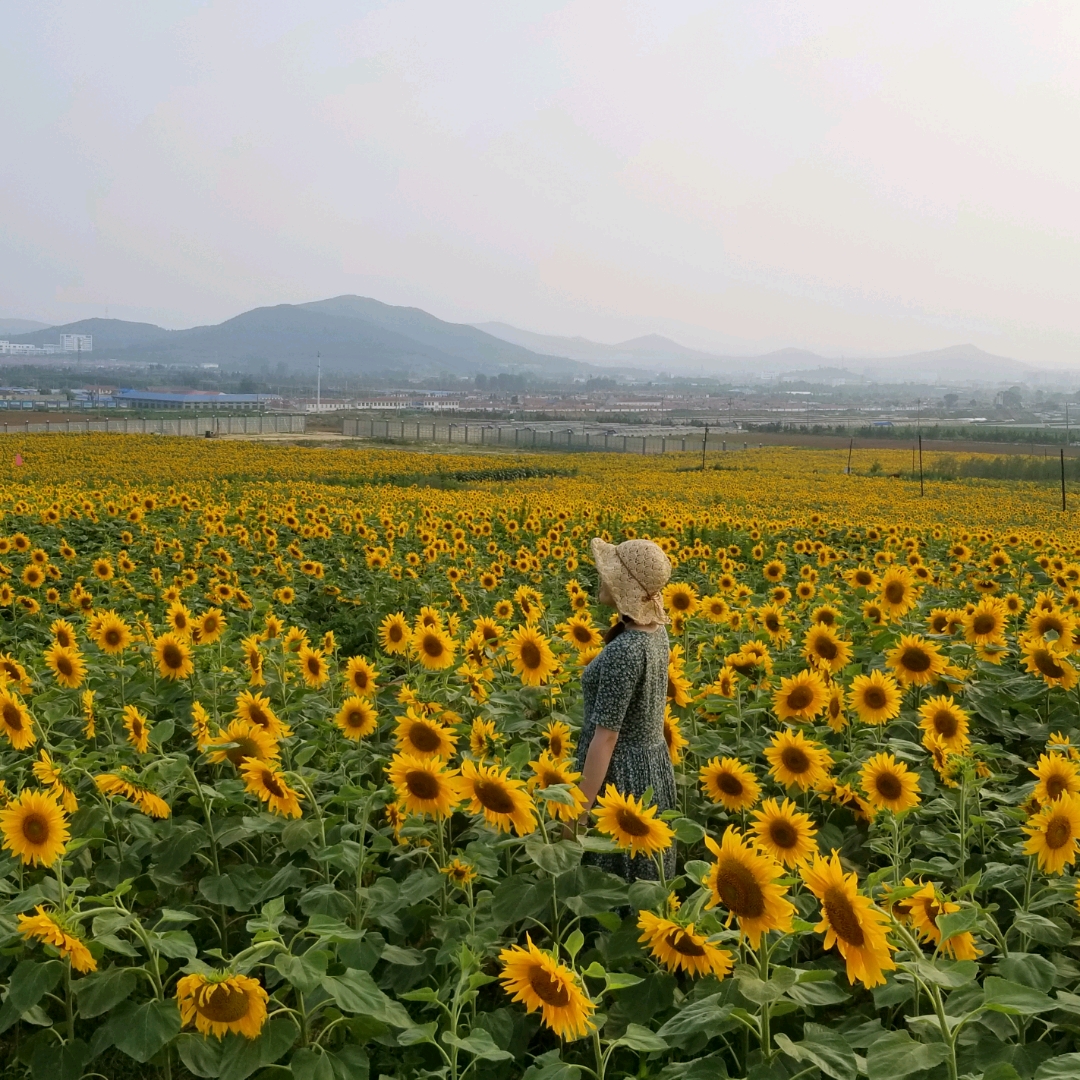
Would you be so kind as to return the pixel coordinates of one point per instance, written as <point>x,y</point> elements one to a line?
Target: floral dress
<point>625,689</point>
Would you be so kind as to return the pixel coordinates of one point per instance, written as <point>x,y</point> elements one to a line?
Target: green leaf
<point>200,1055</point>
<point>30,982</point>
<point>356,992</point>
<point>781,979</point>
<point>642,1040</point>
<point>1030,969</point>
<point>597,844</point>
<point>554,859</point>
<point>824,1048</point>
<point>948,973</point>
<point>620,980</point>
<point>573,944</point>
<point>1063,1067</point>
<point>479,1043</point>
<point>1003,995</point>
<point>817,987</point>
<point>706,1015</point>
<point>1039,928</point>
<point>143,1031</point>
<point>66,1062</point>
<point>305,972</point>
<point>241,1057</point>
<point>687,831</point>
<point>897,1054</point>
<point>100,991</point>
<point>958,922</point>
<point>647,894</point>
<point>1001,1071</point>
<point>393,954</point>
<point>298,834</point>
<point>418,1033</point>
<point>309,1065</point>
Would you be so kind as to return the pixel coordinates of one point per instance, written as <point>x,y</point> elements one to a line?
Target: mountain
<point>350,333</point>
<point>650,349</point>
<point>20,326</point>
<point>957,363</point>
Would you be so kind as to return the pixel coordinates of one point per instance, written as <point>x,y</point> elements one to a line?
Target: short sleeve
<point>621,666</point>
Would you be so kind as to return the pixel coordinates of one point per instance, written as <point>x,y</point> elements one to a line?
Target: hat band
<point>648,597</point>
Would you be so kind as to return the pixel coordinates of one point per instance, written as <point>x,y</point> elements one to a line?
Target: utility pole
<point>920,466</point>
<point>1063,479</point>
<point>318,384</point>
<point>703,442</point>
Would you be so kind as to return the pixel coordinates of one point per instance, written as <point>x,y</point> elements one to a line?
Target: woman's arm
<point>596,762</point>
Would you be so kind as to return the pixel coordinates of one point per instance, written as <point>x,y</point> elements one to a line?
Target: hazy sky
<point>854,178</point>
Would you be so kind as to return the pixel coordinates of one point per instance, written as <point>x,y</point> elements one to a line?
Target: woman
<point>625,690</point>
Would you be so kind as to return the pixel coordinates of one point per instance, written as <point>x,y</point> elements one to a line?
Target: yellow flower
<point>801,697</point>
<point>541,983</point>
<point>557,735</point>
<point>460,873</point>
<point>66,664</point>
<point>502,800</point>
<point>730,783</point>
<point>824,648</point>
<point>222,1003</point>
<point>679,948</point>
<point>173,656</point>
<point>553,772</point>
<point>797,761</point>
<point>916,661</point>
<point>875,698</point>
<point>631,825</point>
<point>394,634</point>
<point>360,676</point>
<point>313,666</point>
<point>424,785</point>
<point>15,720</point>
<point>45,927</point>
<point>530,656</point>
<point>356,717</point>
<point>35,828</point>
<point>1053,833</point>
<point>785,833</point>
<point>942,718</point>
<point>433,648</point>
<point>262,779</point>
<point>1057,775</point>
<point>889,784</point>
<point>138,728</point>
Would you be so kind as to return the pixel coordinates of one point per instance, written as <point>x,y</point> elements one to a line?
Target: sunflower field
<point>288,781</point>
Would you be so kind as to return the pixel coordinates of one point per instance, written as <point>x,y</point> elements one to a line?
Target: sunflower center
<point>783,834</point>
<point>530,655</point>
<point>938,624</point>
<point>270,782</point>
<point>112,637</point>
<point>888,786</point>
<point>354,718</point>
<point>1055,785</point>
<point>224,1005</point>
<point>683,943</point>
<point>314,666</point>
<point>800,697</point>
<point>826,648</point>
<point>395,633</point>
<point>425,738</point>
<point>1047,665</point>
<point>246,748</point>
<point>772,623</point>
<point>64,666</point>
<point>494,796</point>
<point>257,716</point>
<point>913,659</point>
<point>1058,832</point>
<point>433,646</point>
<point>631,823</point>
<point>946,723</point>
<point>874,697</point>
<point>794,760</point>
<point>863,578</point>
<point>984,624</point>
<point>360,680</point>
<point>173,657</point>
<point>842,917</point>
<point>550,990</point>
<point>62,639</point>
<point>36,828</point>
<point>739,890</point>
<point>582,634</point>
<point>421,784</point>
<point>894,592</point>
<point>555,745</point>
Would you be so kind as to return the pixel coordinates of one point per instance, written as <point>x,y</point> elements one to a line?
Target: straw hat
<point>635,572</point>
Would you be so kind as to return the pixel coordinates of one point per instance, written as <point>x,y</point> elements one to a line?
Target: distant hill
<point>351,333</point>
<point>958,363</point>
<point>19,326</point>
<point>650,349</point>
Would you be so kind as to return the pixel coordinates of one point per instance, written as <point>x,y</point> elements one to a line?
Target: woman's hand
<point>581,825</point>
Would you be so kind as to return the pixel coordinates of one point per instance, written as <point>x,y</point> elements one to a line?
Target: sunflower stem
<point>763,974</point>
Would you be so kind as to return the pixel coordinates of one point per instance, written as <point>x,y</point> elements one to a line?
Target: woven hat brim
<point>624,588</point>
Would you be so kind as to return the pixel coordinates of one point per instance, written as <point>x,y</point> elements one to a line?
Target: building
<point>192,399</point>
<point>77,343</point>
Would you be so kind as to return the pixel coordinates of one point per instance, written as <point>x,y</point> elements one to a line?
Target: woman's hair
<point>614,631</point>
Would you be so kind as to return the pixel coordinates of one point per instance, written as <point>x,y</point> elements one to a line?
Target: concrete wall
<point>187,425</point>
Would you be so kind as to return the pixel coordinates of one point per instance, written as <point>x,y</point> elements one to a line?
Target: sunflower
<point>424,785</point>
<point>262,779</point>
<point>772,618</point>
<point>138,728</point>
<point>1042,622</point>
<point>63,633</point>
<point>1057,776</point>
<point>796,760</point>
<point>550,771</point>
<point>103,569</point>
<point>1053,833</point>
<point>850,921</point>
<point>678,685</point>
<point>459,872</point>
<point>580,633</point>
<point>836,708</point>
<point>557,735</point>
<point>673,736</point>
<point>90,722</point>
<point>256,709</point>
<point>424,737</point>
<point>875,698</point>
<point>251,742</point>
<point>730,783</point>
<point>360,676</point>
<point>898,594</point>
<point>714,608</point>
<point>503,610</point>
<point>208,627</point>
<point>433,648</point>
<point>136,793</point>
<point>34,827</point>
<point>679,948</point>
<point>45,927</point>
<point>67,665</point>
<point>356,717</point>
<point>944,719</point>
<point>985,623</point>
<point>48,773</point>
<point>824,648</point>
<point>221,1002</point>
<point>630,824</point>
<point>889,783</point>
<point>923,909</point>
<point>484,738</point>
<point>863,577</point>
<point>1050,663</point>
<point>530,655</point>
<point>502,800</point>
<point>313,666</point>
<point>173,656</point>
<point>785,833</point>
<point>801,697</point>
<point>680,598</point>
<point>915,661</point>
<point>113,635</point>
<point>540,982</point>
<point>744,879</point>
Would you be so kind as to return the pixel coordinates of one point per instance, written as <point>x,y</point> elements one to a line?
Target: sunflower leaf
<point>824,1048</point>
<point>642,1040</point>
